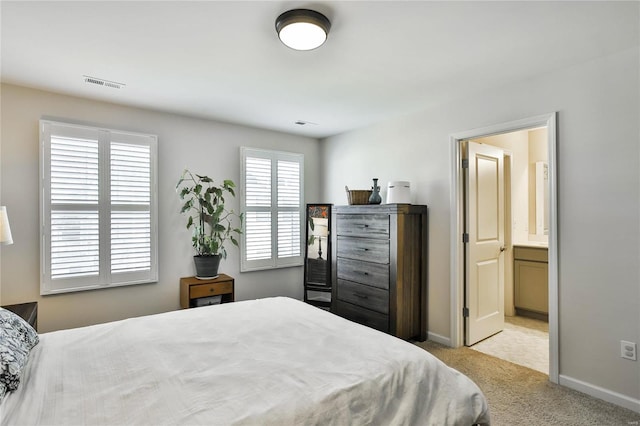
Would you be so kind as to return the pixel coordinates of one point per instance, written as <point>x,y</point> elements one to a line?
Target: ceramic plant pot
<point>207,265</point>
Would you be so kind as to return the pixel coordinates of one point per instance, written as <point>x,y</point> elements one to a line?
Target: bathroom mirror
<point>539,201</point>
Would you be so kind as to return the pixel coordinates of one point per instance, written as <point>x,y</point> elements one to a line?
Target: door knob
<point>502,249</point>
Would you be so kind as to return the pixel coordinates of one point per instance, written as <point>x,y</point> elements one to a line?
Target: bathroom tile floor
<point>524,341</point>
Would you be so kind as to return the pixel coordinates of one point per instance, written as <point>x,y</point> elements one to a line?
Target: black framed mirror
<point>317,259</point>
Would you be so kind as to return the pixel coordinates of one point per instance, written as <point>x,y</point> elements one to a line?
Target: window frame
<point>104,278</point>
<point>274,262</point>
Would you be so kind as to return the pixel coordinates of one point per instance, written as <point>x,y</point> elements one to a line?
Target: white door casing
<point>456,336</point>
<point>484,250</point>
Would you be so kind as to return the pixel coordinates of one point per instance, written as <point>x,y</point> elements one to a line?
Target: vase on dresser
<point>375,197</point>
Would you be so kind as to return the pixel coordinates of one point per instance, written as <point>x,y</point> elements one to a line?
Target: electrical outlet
<point>628,350</point>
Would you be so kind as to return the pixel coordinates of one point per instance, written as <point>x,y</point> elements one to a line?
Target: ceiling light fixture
<point>302,29</point>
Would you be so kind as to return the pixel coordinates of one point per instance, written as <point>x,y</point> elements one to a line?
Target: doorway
<point>522,334</point>
<point>458,228</point>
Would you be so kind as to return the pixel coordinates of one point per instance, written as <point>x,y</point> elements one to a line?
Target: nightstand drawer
<point>366,249</point>
<point>373,274</point>
<point>372,298</point>
<point>363,225</point>
<point>363,316</point>
<point>204,290</point>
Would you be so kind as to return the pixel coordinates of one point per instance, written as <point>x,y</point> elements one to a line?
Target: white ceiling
<point>223,59</point>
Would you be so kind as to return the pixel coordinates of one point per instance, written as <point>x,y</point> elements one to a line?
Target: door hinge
<point>465,312</point>
<point>465,237</point>
<point>465,163</point>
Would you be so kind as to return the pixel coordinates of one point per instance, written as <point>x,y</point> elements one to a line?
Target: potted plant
<point>210,222</point>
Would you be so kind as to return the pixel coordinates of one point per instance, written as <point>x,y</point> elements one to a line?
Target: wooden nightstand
<point>195,292</point>
<point>26,311</point>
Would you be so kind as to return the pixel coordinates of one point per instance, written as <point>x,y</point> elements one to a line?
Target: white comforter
<point>272,361</point>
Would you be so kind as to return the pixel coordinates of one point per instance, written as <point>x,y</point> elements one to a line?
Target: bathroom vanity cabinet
<point>531,281</point>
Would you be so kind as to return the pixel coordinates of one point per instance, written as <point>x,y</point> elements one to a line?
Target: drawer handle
<point>364,225</point>
<point>364,249</point>
<point>360,295</point>
<point>364,273</point>
<point>211,290</point>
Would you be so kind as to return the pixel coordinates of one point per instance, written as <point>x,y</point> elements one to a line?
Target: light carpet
<point>521,396</point>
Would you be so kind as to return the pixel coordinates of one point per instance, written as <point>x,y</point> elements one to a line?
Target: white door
<point>484,275</point>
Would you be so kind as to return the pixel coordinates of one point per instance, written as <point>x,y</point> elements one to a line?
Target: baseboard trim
<point>601,393</point>
<point>439,339</point>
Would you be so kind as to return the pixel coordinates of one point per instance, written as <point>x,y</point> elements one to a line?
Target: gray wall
<point>598,206</point>
<point>207,147</point>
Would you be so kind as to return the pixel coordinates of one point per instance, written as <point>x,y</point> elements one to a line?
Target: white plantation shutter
<point>75,244</point>
<point>75,249</point>
<point>288,234</point>
<point>271,200</point>
<point>288,184</point>
<point>258,182</point>
<point>99,211</point>
<point>130,207</point>
<point>258,228</point>
<point>258,199</point>
<point>130,241</point>
<point>289,213</point>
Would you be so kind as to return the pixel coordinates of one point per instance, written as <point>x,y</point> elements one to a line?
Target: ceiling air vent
<point>103,82</point>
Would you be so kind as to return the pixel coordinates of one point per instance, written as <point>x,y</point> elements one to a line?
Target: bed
<point>273,361</point>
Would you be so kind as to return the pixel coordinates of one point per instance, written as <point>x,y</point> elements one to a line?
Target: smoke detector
<point>102,82</point>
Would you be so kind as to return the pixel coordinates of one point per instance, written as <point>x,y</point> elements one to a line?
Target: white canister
<point>398,192</point>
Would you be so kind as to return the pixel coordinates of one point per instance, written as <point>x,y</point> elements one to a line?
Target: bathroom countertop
<point>533,244</point>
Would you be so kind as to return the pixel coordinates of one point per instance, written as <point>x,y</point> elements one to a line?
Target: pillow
<point>13,326</point>
<point>17,338</point>
<point>12,361</point>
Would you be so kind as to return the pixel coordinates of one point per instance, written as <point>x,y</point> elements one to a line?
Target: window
<point>99,208</point>
<point>272,195</point>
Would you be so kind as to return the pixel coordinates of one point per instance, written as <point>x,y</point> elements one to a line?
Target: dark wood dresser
<point>380,270</point>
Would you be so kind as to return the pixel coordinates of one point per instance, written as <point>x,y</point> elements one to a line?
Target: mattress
<point>274,361</point>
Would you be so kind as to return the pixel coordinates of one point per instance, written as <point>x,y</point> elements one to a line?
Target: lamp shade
<point>320,227</point>
<point>302,29</point>
<point>5,230</point>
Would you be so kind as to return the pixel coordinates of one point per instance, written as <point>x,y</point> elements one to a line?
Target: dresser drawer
<point>366,249</point>
<point>363,316</point>
<point>372,298</point>
<point>204,290</point>
<point>373,274</point>
<point>363,225</point>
